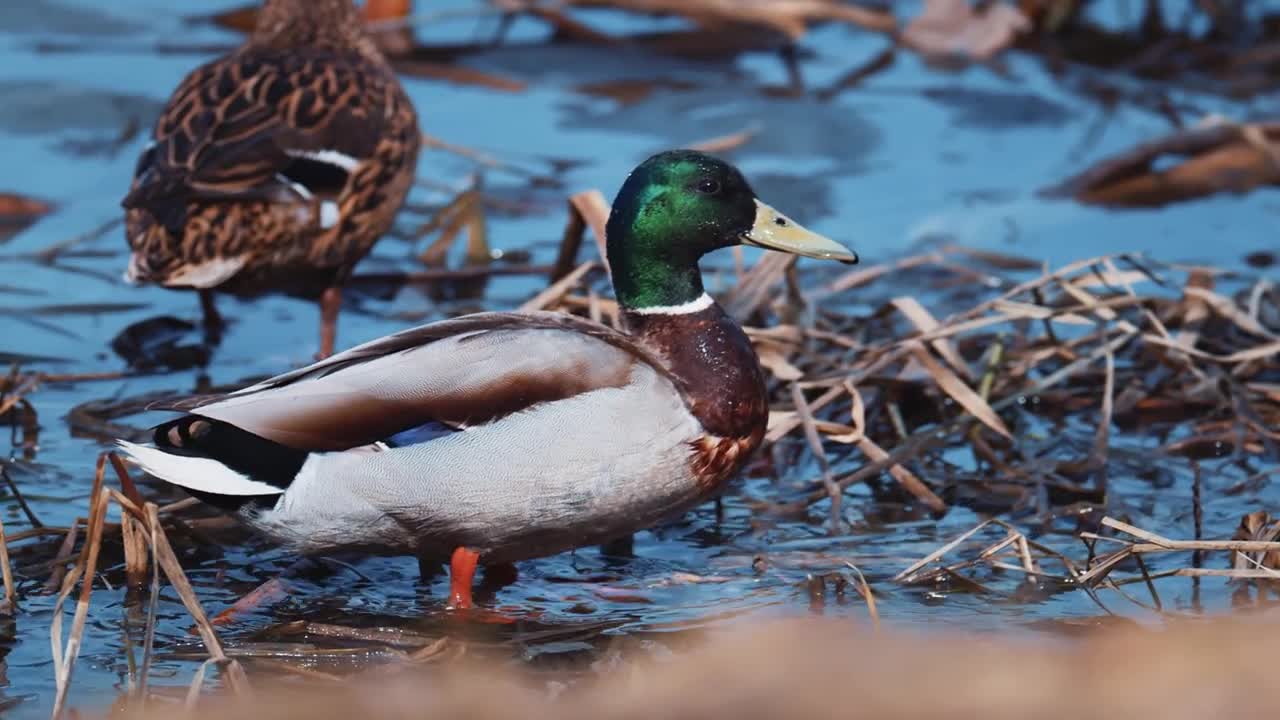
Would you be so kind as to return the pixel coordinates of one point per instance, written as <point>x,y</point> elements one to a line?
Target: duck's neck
<point>659,288</point>
<point>653,260</point>
<point>711,355</point>
<point>655,282</point>
<point>334,24</point>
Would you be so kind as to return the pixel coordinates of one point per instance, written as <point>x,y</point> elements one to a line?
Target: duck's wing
<point>265,124</point>
<point>467,371</point>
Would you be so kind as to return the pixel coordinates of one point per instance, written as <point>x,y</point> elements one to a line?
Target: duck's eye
<point>708,186</point>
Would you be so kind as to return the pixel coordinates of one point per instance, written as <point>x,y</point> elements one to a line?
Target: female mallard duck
<point>275,167</point>
<point>506,436</point>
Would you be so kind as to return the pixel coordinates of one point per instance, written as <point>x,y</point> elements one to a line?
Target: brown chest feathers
<point>722,383</point>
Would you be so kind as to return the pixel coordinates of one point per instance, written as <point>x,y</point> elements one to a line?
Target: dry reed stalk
<point>17,495</point>
<point>197,684</point>
<point>236,678</point>
<point>127,485</point>
<point>435,650</point>
<point>782,427</point>
<point>607,309</point>
<point>857,436</point>
<point>1029,564</point>
<point>455,74</point>
<point>59,562</point>
<point>725,143</point>
<point>1014,543</point>
<point>267,592</point>
<point>863,588</point>
<point>959,391</point>
<point>300,671</point>
<point>925,322</point>
<point>86,570</point>
<point>135,551</point>
<point>179,505</point>
<point>1259,352</point>
<point>134,536</point>
<point>479,157</point>
<point>1102,438</point>
<point>449,222</point>
<point>909,574</point>
<point>904,452</point>
<point>433,276</point>
<point>553,294</point>
<point>854,279</point>
<point>586,209</point>
<point>907,479</point>
<point>1153,543</point>
<point>753,292</point>
<point>593,207</point>
<point>790,18</point>
<point>153,605</point>
<point>10,398</point>
<point>10,604</point>
<point>815,445</point>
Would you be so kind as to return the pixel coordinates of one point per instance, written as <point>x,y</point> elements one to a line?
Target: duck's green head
<point>679,205</point>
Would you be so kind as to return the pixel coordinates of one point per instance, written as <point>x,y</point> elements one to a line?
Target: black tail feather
<point>248,454</point>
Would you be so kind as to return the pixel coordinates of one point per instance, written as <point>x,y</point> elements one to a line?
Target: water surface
<point>913,156</point>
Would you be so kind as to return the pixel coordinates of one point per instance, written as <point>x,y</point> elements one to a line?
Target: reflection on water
<point>910,157</point>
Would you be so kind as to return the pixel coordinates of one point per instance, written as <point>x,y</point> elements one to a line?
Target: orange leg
<point>330,304</point>
<point>462,570</point>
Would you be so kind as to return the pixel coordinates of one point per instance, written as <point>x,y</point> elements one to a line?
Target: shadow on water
<point>908,161</point>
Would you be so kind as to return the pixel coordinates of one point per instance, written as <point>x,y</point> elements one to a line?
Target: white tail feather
<point>203,474</point>
<point>210,273</point>
<point>329,157</point>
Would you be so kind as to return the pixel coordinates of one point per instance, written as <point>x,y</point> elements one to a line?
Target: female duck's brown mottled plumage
<point>276,167</point>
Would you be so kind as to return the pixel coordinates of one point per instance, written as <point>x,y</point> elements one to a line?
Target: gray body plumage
<point>567,473</point>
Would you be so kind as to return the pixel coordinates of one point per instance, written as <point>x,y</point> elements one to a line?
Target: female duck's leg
<point>619,547</point>
<point>428,567</point>
<point>462,571</point>
<point>498,576</point>
<point>211,318</point>
<point>330,304</point>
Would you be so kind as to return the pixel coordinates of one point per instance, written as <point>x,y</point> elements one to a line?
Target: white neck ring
<point>698,304</point>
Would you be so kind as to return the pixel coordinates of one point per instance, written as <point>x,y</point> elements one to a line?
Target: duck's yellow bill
<point>776,231</point>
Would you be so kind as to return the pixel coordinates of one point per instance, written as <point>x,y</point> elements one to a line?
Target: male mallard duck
<point>275,167</point>
<point>505,436</point>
